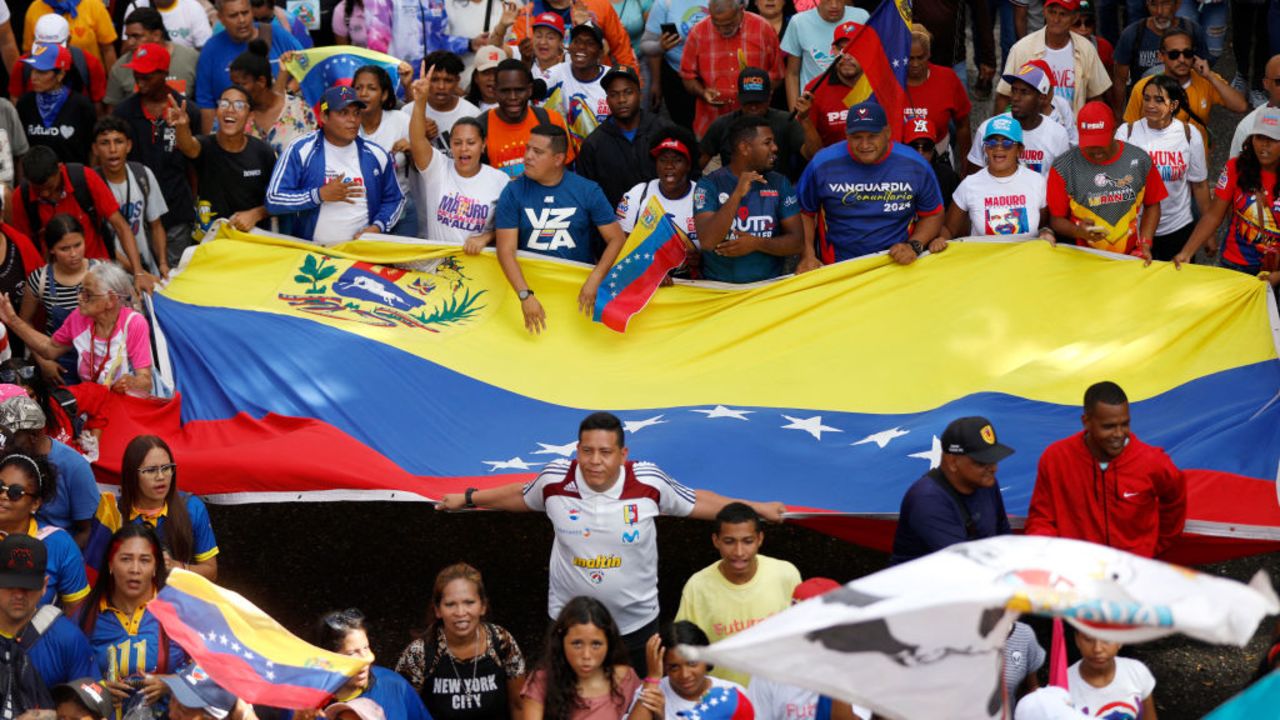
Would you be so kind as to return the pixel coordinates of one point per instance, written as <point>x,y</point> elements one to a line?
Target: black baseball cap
<point>22,562</point>
<point>754,86</point>
<point>89,692</point>
<point>974,437</point>
<point>591,28</point>
<point>619,71</point>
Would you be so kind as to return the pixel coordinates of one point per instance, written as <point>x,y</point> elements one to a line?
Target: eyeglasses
<point>1176,54</point>
<point>86,295</point>
<point>156,470</point>
<point>10,376</point>
<point>237,105</point>
<point>1002,143</point>
<point>15,492</point>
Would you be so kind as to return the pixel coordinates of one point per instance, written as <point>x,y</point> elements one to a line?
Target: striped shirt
<point>53,295</point>
<point>606,543</point>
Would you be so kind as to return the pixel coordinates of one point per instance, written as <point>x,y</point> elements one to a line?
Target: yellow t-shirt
<point>721,608</point>
<point>1202,96</point>
<point>90,27</point>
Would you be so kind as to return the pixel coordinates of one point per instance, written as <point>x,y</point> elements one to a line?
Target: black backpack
<point>84,198</point>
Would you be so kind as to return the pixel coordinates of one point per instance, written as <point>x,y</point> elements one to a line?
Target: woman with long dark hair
<point>1177,150</point>
<point>584,671</point>
<point>345,632</point>
<point>130,646</point>
<point>388,128</point>
<point>458,643</point>
<point>149,496</point>
<point>277,117</point>
<point>1248,189</point>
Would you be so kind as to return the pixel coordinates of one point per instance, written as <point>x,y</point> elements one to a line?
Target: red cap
<point>149,58</point>
<point>1097,125</point>
<point>812,588</point>
<point>551,20</point>
<point>671,144</point>
<point>845,31</point>
<point>1070,5</point>
<point>919,128</point>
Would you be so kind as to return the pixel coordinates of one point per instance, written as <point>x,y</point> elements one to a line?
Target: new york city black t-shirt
<point>467,690</point>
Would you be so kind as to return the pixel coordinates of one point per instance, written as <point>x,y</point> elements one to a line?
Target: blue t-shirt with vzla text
<point>560,220</point>
<point>867,208</point>
<point>760,213</point>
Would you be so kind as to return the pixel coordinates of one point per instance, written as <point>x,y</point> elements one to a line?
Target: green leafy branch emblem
<point>315,272</point>
<point>453,310</point>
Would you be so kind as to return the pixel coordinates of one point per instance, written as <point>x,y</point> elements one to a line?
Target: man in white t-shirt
<point>339,185</point>
<point>185,20</point>
<point>1078,73</point>
<point>574,88</point>
<point>603,508</point>
<point>1043,140</point>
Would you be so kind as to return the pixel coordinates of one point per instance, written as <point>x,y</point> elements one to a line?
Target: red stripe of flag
<point>637,293</point>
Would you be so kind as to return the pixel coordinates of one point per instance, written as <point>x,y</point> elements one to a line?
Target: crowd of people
<point>547,127</point>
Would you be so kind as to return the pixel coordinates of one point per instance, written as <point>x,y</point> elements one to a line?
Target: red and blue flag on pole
<point>882,47</point>
<point>654,248</point>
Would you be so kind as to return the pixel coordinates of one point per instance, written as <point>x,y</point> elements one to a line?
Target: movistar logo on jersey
<point>550,228</point>
<point>599,562</point>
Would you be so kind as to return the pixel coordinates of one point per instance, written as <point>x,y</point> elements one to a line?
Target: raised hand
<point>175,114</point>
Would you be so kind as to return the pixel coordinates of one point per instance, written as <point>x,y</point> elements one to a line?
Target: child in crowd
<point>1101,682</point>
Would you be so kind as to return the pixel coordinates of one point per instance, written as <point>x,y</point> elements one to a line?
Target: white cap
<point>1048,703</point>
<point>52,28</point>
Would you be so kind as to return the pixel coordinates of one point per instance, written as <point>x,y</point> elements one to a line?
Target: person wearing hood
<point>1106,486</point>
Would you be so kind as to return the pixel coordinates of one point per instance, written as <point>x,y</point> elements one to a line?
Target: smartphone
<point>669,28</point>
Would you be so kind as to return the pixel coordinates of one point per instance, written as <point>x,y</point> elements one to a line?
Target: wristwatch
<point>524,294</point>
<point>916,246</point>
<point>467,502</point>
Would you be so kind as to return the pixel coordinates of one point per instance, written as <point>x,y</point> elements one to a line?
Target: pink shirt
<point>106,361</point>
<point>605,707</point>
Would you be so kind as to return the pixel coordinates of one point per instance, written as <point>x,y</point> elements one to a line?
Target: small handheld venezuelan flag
<point>654,248</point>
<point>244,650</point>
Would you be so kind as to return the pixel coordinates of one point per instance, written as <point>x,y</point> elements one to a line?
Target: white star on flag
<point>562,450</point>
<point>721,411</point>
<point>514,463</point>
<point>634,426</point>
<point>933,454</point>
<point>812,425</point>
<point>882,438</point>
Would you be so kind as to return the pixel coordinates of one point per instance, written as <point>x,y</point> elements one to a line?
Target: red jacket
<point>1137,504</point>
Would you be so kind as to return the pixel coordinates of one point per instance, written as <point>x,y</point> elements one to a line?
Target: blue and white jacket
<point>299,175</point>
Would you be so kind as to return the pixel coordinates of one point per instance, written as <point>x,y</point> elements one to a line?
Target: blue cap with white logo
<point>865,117</point>
<point>1003,126</point>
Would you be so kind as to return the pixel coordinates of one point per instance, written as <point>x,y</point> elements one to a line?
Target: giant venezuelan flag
<point>307,369</point>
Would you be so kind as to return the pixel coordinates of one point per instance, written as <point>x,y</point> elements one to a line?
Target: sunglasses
<point>923,146</point>
<point>1176,54</point>
<point>1002,143</point>
<point>11,377</point>
<point>15,492</point>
